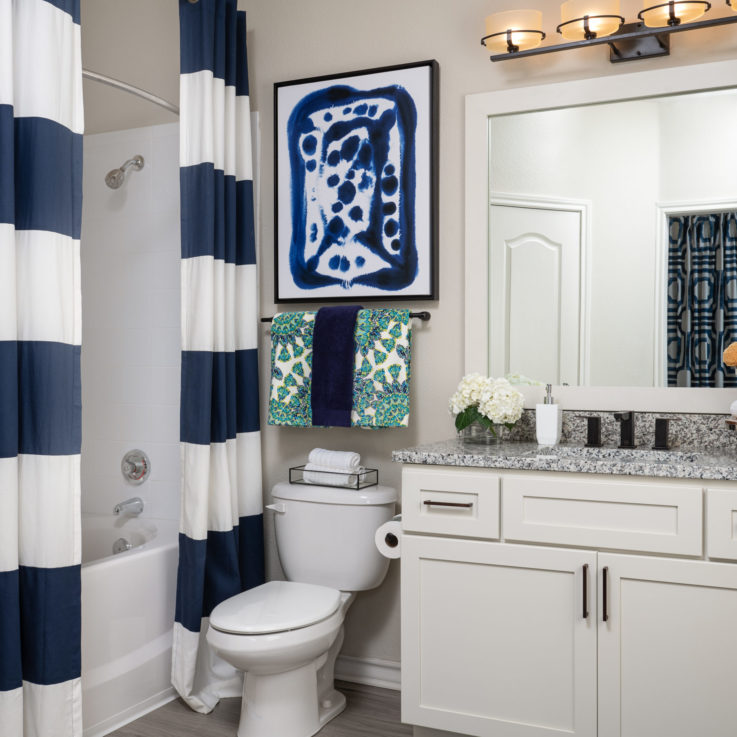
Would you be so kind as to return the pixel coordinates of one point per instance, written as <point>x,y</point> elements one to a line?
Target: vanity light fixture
<point>514,34</point>
<point>589,19</point>
<point>514,30</point>
<point>673,13</point>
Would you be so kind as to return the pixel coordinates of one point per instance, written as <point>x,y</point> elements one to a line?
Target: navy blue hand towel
<point>333,357</point>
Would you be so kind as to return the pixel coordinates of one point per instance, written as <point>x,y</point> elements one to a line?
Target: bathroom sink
<point>622,455</point>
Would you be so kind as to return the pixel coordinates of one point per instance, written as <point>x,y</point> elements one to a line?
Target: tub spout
<point>130,507</point>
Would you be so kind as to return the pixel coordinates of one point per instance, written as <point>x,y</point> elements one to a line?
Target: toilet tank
<point>325,535</point>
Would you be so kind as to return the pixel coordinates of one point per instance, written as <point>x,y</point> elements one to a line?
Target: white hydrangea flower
<point>496,399</point>
<point>503,403</point>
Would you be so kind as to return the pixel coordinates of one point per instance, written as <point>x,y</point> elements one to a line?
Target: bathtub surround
<point>221,533</point>
<point>131,320</point>
<point>127,615</point>
<point>41,126</point>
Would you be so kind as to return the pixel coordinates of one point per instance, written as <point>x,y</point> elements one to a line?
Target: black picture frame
<point>356,185</point>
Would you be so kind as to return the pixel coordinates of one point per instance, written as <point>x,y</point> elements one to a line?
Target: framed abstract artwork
<point>356,185</point>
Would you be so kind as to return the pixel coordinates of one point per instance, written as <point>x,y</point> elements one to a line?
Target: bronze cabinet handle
<point>430,503</point>
<point>604,597</point>
<point>585,590</point>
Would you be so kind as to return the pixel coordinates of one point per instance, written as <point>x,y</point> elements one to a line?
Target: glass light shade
<point>686,11</point>
<point>520,23</point>
<point>599,22</point>
<point>732,4</point>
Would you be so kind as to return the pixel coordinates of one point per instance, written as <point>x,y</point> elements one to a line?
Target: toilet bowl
<point>288,685</point>
<point>286,635</point>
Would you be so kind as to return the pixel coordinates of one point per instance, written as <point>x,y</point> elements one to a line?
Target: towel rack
<point>424,315</point>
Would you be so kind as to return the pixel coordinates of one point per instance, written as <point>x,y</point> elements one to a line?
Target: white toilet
<point>286,635</point>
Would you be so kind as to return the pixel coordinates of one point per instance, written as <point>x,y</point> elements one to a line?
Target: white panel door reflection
<point>535,301</point>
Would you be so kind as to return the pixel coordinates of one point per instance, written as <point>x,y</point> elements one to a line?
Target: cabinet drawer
<point>442,502</point>
<point>652,517</point>
<point>721,523</point>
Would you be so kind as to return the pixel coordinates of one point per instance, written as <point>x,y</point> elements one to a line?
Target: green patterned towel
<point>381,371</point>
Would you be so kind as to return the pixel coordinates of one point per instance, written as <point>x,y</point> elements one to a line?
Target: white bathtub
<point>127,619</point>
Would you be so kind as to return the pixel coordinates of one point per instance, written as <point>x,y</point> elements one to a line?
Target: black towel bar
<point>424,315</point>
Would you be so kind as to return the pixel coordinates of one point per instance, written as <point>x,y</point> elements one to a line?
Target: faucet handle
<point>593,431</point>
<point>661,433</point>
<point>135,466</point>
<point>627,429</point>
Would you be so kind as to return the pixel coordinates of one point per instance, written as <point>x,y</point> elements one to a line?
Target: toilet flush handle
<point>278,507</point>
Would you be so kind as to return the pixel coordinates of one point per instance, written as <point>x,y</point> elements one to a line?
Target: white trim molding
<point>369,672</point>
<point>664,210</point>
<point>479,108</point>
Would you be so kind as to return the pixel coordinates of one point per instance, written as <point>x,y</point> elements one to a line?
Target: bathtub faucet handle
<point>136,467</point>
<point>130,507</point>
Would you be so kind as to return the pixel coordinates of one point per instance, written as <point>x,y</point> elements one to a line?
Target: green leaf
<point>487,423</point>
<point>465,418</point>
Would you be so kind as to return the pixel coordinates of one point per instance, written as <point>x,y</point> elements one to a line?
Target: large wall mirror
<point>602,237</point>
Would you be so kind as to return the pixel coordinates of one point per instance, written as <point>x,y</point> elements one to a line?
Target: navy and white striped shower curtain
<point>41,126</point>
<point>221,532</point>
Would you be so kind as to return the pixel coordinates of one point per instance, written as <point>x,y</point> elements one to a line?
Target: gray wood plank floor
<point>370,712</point>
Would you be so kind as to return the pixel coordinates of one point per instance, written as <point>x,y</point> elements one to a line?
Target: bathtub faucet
<point>130,507</point>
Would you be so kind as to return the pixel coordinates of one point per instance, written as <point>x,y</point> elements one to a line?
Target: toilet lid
<point>275,606</point>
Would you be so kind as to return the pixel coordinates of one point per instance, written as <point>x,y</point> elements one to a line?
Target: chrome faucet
<point>626,429</point>
<point>130,507</point>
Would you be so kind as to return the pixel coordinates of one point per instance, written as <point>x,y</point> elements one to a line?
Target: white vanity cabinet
<point>480,620</point>
<point>558,632</point>
<point>668,652</point>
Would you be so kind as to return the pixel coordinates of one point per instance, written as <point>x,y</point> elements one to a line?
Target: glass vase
<point>477,434</point>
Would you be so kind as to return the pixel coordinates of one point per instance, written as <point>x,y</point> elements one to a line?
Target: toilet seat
<point>276,606</point>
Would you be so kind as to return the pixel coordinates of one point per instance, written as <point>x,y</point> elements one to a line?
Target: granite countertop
<point>677,463</point>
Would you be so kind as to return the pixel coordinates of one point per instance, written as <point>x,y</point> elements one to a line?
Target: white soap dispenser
<point>548,420</point>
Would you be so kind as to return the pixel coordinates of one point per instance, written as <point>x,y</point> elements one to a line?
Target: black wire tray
<point>364,478</point>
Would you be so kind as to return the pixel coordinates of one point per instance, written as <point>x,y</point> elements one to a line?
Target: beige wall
<point>136,41</point>
<point>292,39</point>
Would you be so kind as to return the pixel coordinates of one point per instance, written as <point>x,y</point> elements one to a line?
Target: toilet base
<point>285,704</point>
<point>330,707</point>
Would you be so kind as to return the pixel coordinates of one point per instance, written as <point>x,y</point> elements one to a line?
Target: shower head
<point>115,178</point>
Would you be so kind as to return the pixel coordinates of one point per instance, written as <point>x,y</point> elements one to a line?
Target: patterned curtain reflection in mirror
<point>702,298</point>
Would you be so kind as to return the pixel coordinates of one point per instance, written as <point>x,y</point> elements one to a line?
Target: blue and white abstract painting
<point>354,165</point>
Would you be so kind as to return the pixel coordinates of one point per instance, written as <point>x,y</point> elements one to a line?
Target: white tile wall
<point>130,313</point>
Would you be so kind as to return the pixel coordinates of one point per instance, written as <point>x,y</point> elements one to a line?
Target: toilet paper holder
<point>391,539</point>
<point>388,537</point>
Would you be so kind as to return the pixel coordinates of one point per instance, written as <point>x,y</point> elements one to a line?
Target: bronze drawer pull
<point>585,590</point>
<point>430,503</point>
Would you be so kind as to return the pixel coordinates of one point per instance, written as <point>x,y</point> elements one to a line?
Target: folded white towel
<point>325,476</point>
<point>335,460</point>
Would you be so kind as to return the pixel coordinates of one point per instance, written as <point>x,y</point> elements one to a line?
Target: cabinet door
<point>494,638</point>
<point>668,651</point>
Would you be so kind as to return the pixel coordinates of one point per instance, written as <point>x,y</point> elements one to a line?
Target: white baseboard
<point>368,671</point>
<point>128,715</point>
